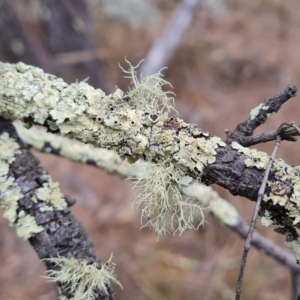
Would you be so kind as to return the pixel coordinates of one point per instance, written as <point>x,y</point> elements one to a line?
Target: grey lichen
<point>147,91</point>
<point>81,278</point>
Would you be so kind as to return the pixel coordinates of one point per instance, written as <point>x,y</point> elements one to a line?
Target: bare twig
<point>244,131</point>
<point>294,285</point>
<point>253,221</point>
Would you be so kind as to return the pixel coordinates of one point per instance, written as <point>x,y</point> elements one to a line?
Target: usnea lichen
<point>148,91</point>
<point>162,205</point>
<point>81,278</point>
<point>213,203</point>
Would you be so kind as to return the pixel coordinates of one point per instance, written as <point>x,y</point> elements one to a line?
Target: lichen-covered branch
<point>109,160</point>
<point>258,115</point>
<point>34,204</point>
<point>136,128</point>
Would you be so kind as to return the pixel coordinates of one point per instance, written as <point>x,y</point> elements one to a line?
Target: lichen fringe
<point>81,278</point>
<point>149,90</point>
<point>161,202</point>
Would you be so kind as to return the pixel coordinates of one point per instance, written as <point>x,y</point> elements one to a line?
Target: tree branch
<point>137,129</point>
<point>111,162</point>
<point>244,131</point>
<point>35,205</point>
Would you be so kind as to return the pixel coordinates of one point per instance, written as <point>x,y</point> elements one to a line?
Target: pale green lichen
<point>26,226</point>
<point>81,278</point>
<point>148,90</point>
<point>162,205</point>
<point>129,124</point>
<point>257,159</point>
<point>9,191</point>
<point>212,202</point>
<point>50,193</point>
<point>295,246</point>
<point>255,111</point>
<point>106,159</point>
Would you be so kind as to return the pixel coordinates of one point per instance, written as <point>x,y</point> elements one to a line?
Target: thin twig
<point>294,285</point>
<point>252,224</point>
<point>244,131</point>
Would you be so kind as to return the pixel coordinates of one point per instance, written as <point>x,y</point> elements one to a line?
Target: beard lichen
<point>81,278</point>
<point>161,202</point>
<point>148,91</point>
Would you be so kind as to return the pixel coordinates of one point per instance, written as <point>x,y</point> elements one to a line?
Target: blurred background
<point>230,57</point>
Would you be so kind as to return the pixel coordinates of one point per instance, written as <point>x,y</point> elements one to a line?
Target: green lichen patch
<point>26,226</point>
<point>256,159</point>
<point>50,193</point>
<point>9,191</point>
<point>255,111</point>
<point>295,246</point>
<point>82,278</point>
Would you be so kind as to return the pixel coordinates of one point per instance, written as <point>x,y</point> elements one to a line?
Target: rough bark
<point>137,129</point>
<point>62,234</point>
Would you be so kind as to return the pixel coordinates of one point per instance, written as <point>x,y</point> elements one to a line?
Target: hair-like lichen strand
<point>81,278</point>
<point>162,205</point>
<point>148,92</point>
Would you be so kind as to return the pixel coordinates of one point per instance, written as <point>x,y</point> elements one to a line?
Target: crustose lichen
<point>147,91</point>
<point>80,278</point>
<point>161,202</point>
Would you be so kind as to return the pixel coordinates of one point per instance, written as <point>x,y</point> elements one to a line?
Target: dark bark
<point>62,234</point>
<point>244,131</point>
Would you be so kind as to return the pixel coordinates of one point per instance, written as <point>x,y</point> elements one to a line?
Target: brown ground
<point>223,68</point>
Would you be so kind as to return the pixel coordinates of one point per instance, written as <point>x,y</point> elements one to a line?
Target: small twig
<point>244,131</point>
<point>255,214</point>
<point>287,135</point>
<point>294,285</point>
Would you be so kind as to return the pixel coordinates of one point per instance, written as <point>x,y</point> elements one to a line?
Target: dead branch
<point>57,233</point>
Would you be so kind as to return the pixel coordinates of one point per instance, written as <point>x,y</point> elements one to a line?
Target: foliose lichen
<point>255,111</point>
<point>51,194</point>
<point>10,192</point>
<point>257,159</point>
<point>26,226</point>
